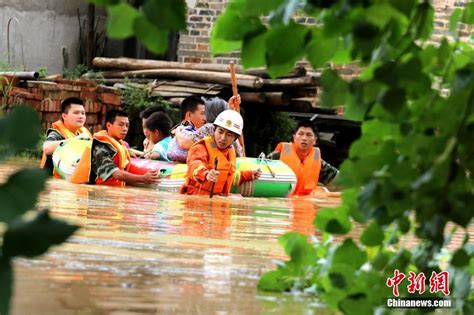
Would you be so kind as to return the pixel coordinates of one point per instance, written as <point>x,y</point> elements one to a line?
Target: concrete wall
<point>39,31</point>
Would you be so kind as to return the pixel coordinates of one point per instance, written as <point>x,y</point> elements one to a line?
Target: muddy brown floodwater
<point>141,251</point>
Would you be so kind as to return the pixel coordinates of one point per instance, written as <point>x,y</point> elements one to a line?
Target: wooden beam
<point>244,80</point>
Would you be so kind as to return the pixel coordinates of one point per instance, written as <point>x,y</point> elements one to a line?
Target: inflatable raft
<point>67,155</point>
<point>277,179</point>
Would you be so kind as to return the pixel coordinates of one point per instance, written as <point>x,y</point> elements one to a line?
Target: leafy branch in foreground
<point>151,25</point>
<point>21,235</point>
<point>409,173</point>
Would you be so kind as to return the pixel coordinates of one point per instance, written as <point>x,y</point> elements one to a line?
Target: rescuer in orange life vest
<point>109,161</point>
<point>204,177</point>
<point>71,125</point>
<point>304,159</point>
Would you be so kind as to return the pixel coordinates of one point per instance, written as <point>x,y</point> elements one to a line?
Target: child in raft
<point>157,131</point>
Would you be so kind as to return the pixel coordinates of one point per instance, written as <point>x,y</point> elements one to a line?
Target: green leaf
<point>349,197</point>
<point>281,57</point>
<point>14,136</point>
<point>356,304</point>
<point>463,78</point>
<point>152,38</point>
<point>404,224</point>
<point>387,73</point>
<point>296,246</point>
<point>381,14</point>
<point>343,54</point>
<point>453,22</point>
<point>254,51</point>
<point>273,281</point>
<point>393,100</point>
<point>461,60</point>
<point>20,192</point>
<point>468,16</point>
<point>404,6</point>
<point>334,89</point>
<point>121,20</point>
<point>6,285</point>
<point>365,39</point>
<point>372,235</point>
<point>255,8</point>
<point>34,237</point>
<point>333,220</point>
<point>412,78</point>
<point>362,96</point>
<point>337,280</point>
<point>400,261</point>
<point>230,29</point>
<point>460,258</point>
<point>349,254</point>
<point>380,261</point>
<point>166,14</point>
<point>424,22</point>
<point>104,2</point>
<point>321,49</point>
<point>434,59</point>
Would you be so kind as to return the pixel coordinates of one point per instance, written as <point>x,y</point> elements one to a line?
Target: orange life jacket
<point>226,168</point>
<point>121,158</point>
<point>58,126</point>
<point>307,172</point>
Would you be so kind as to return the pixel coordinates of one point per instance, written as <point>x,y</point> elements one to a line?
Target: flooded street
<point>141,251</point>
<point>144,251</point>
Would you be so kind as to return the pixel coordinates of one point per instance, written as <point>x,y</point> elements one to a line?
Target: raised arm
<point>183,139</point>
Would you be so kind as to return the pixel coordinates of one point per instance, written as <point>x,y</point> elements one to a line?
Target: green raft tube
<point>277,179</point>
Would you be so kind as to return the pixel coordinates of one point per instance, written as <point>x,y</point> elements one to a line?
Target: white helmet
<point>230,120</point>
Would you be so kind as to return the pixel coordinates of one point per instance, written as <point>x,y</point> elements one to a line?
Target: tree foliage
<point>410,172</point>
<point>23,236</point>
<point>151,25</point>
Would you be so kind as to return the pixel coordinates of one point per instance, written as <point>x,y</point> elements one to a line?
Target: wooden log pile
<point>296,92</point>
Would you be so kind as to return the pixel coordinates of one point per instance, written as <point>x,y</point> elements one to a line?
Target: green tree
<point>22,235</point>
<point>151,26</point>
<point>410,172</point>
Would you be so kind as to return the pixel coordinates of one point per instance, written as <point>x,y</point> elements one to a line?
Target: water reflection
<point>144,251</point>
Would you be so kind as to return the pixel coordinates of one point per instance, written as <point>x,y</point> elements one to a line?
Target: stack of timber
<point>295,92</point>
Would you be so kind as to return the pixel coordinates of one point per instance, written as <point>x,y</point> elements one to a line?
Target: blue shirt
<point>161,148</point>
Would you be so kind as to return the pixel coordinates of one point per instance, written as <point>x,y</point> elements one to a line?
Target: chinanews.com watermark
<point>418,303</point>
<point>438,282</point>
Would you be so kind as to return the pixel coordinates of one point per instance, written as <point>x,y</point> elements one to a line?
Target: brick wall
<point>443,10</point>
<point>46,98</point>
<point>194,43</point>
